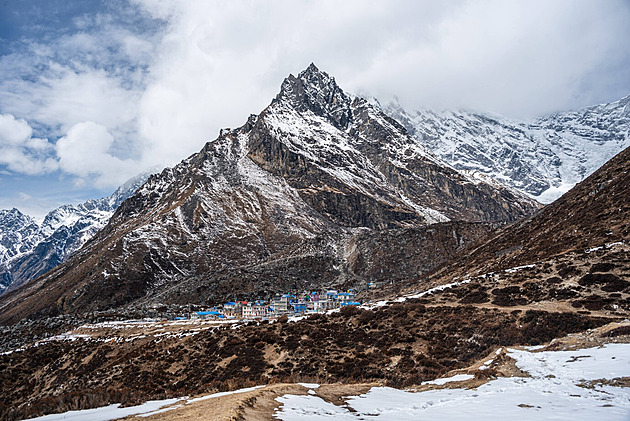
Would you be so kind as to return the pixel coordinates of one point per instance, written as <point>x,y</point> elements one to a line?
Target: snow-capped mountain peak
<point>29,249</point>
<point>18,234</point>
<point>318,92</point>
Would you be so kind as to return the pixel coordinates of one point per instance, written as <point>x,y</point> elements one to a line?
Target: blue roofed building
<point>211,314</point>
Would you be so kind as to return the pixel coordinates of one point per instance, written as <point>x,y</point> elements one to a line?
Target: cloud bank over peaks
<point>70,83</point>
<point>86,152</point>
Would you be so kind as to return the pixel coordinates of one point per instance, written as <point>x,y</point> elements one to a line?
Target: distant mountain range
<point>543,158</point>
<point>29,249</point>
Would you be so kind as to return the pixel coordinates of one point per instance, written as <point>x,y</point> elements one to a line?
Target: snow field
<point>113,412</point>
<point>106,413</point>
<point>563,385</point>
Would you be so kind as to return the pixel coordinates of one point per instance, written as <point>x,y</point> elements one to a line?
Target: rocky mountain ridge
<point>29,249</point>
<point>368,157</point>
<point>542,158</point>
<point>273,204</point>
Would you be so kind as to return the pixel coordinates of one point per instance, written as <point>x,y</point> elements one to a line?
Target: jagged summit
<point>318,92</point>
<point>18,234</point>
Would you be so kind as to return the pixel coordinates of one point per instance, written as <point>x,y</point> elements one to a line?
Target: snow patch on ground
<point>106,413</point>
<point>309,385</point>
<point>113,412</point>
<point>563,385</point>
<point>404,298</point>
<point>455,378</point>
<point>518,268</point>
<point>607,246</point>
<point>218,395</point>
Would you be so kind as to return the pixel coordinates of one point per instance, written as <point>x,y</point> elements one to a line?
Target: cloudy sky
<point>93,92</point>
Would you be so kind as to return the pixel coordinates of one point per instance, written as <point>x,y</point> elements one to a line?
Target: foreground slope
<point>399,345</point>
<point>281,202</point>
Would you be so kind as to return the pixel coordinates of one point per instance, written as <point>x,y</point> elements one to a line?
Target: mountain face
<point>19,233</point>
<point>543,158</point>
<point>29,250</point>
<point>571,256</point>
<point>358,167</point>
<point>284,201</point>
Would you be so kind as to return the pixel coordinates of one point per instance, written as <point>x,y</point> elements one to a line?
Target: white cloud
<point>522,59</point>
<point>135,47</point>
<point>24,196</point>
<point>86,152</point>
<point>220,61</point>
<point>87,96</point>
<point>13,131</point>
<point>20,152</point>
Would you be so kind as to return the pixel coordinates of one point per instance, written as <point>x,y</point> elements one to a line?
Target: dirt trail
<point>256,405</point>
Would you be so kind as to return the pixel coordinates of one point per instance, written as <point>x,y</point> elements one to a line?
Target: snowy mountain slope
<point>30,249</point>
<point>272,205</point>
<point>543,158</point>
<point>18,234</point>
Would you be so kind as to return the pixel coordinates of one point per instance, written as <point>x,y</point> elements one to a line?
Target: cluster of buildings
<point>290,304</point>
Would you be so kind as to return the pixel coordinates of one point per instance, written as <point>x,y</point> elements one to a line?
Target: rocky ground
<point>498,369</point>
<point>398,345</point>
<point>402,342</point>
<point>263,403</point>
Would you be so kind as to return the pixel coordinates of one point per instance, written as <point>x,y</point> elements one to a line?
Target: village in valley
<point>284,304</point>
